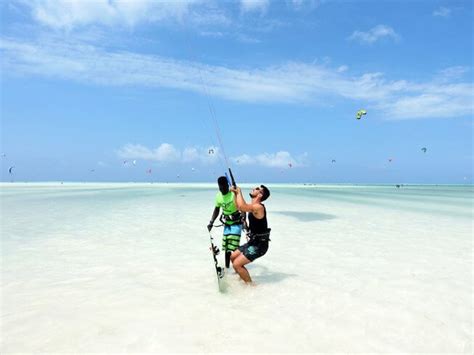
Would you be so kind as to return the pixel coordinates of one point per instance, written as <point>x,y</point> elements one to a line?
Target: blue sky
<point>107,90</point>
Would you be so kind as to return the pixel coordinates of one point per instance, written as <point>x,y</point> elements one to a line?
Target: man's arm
<point>213,218</point>
<point>243,206</point>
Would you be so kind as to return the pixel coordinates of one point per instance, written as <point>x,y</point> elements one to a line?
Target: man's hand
<point>235,189</point>
<point>210,225</point>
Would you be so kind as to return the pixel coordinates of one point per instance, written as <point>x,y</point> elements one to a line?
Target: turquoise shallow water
<point>452,200</point>
<point>126,268</point>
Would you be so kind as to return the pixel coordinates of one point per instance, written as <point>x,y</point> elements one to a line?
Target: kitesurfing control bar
<point>232,178</point>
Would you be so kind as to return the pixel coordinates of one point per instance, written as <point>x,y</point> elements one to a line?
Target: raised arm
<point>255,208</point>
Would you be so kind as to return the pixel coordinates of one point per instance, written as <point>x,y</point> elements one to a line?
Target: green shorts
<point>231,237</point>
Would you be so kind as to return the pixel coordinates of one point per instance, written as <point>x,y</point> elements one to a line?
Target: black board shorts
<point>254,250</point>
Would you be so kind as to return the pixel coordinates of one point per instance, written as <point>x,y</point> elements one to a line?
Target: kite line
<point>213,115</point>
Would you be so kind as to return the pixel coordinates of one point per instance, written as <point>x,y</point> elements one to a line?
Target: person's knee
<point>237,266</point>
<point>240,264</point>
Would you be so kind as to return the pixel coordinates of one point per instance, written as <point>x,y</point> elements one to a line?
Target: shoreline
<point>212,184</point>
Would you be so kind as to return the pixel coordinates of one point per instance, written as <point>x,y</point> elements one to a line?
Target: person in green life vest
<point>231,218</point>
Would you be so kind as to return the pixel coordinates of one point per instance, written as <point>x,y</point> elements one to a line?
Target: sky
<point>178,91</point>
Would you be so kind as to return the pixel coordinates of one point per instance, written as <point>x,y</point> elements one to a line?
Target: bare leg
<point>234,255</point>
<point>238,264</point>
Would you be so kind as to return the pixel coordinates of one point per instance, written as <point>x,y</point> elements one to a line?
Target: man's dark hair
<point>265,192</point>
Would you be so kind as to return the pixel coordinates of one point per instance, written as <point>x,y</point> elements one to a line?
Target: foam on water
<point>126,268</point>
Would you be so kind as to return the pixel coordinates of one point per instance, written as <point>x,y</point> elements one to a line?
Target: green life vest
<point>230,214</point>
<point>226,202</point>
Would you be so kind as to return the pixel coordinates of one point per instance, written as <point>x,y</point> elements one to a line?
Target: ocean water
<point>115,268</point>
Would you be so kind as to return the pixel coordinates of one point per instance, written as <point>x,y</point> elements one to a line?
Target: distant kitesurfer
<point>360,113</point>
<point>231,218</point>
<point>259,233</point>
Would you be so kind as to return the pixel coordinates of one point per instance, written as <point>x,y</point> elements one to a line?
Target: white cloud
<point>207,17</point>
<point>442,12</point>
<point>207,155</point>
<point>69,14</point>
<point>190,154</point>
<point>433,100</point>
<point>342,68</point>
<point>374,34</point>
<point>215,34</point>
<point>304,4</point>
<point>254,5</point>
<point>243,159</point>
<point>281,159</point>
<point>246,39</point>
<point>289,82</point>
<point>168,153</point>
<point>297,3</point>
<point>164,153</point>
<point>453,73</point>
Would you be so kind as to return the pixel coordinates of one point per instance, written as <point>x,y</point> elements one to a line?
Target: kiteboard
<point>219,269</point>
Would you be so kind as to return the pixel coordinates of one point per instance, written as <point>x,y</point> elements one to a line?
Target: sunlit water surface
<point>110,268</point>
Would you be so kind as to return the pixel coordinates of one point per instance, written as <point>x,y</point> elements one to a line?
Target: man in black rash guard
<point>259,234</point>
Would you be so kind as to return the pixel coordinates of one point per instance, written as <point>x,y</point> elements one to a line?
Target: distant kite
<point>4,155</point>
<point>424,149</point>
<point>290,165</point>
<point>148,171</point>
<point>390,159</point>
<point>124,162</point>
<point>192,169</point>
<point>134,162</point>
<point>333,161</point>
<point>211,151</point>
<point>92,170</point>
<point>11,169</point>
<point>360,113</point>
